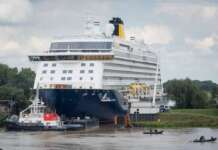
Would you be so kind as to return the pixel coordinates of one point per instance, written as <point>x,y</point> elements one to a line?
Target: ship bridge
<point>77,49</point>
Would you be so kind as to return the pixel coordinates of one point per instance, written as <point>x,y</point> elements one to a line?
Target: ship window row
<point>82,87</point>
<point>80,45</point>
<point>81,78</point>
<point>53,71</point>
<point>83,71</point>
<point>46,65</point>
<point>84,64</point>
<point>66,78</point>
<point>90,87</point>
<point>67,71</point>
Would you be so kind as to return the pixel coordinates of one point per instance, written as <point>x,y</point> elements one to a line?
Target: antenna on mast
<point>92,25</point>
<point>88,24</point>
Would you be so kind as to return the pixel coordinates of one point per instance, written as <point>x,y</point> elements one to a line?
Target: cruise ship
<point>96,74</point>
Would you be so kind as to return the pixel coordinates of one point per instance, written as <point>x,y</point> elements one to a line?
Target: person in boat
<point>202,138</point>
<point>150,130</point>
<point>155,131</point>
<point>212,138</point>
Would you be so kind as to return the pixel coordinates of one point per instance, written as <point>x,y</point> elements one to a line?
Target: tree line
<point>16,85</point>
<point>192,93</point>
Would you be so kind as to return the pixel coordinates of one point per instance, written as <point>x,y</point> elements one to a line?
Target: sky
<point>183,32</point>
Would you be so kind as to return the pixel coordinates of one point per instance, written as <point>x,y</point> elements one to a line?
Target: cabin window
<point>44,71</point>
<point>69,78</point>
<point>64,71</point>
<point>52,71</point>
<point>91,78</point>
<point>90,87</point>
<point>80,78</point>
<point>83,64</point>
<point>63,78</point>
<point>90,71</point>
<point>54,65</point>
<point>91,64</point>
<point>45,65</point>
<point>82,71</point>
<point>70,71</point>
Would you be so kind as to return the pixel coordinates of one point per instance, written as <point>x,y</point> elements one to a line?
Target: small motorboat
<point>153,132</point>
<point>202,140</point>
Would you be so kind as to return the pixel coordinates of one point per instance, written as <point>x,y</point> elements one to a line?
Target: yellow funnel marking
<point>121,31</point>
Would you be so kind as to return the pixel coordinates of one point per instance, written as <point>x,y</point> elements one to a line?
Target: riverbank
<point>177,118</point>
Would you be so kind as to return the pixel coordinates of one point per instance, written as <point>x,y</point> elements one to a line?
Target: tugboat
<point>36,117</point>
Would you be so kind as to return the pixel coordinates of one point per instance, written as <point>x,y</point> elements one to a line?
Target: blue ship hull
<point>81,102</point>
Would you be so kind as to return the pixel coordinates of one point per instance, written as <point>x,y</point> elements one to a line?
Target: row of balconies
<point>129,64</point>
<point>132,75</point>
<point>130,70</point>
<point>131,55</point>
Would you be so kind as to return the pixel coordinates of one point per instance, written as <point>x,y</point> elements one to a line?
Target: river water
<point>108,139</point>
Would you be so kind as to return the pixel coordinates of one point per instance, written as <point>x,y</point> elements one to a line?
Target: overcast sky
<point>184,31</point>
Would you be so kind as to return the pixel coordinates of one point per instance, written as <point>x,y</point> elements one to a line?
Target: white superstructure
<point>97,61</point>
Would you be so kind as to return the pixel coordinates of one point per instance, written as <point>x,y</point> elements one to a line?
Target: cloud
<point>38,44</point>
<point>14,11</point>
<point>151,34</point>
<point>10,46</point>
<point>23,48</point>
<point>183,9</point>
<point>205,43</point>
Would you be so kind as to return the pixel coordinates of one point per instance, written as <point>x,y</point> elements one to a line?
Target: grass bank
<point>177,118</point>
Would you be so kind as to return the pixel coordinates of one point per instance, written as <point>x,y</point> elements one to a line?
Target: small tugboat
<point>202,139</point>
<point>153,132</point>
<point>36,117</point>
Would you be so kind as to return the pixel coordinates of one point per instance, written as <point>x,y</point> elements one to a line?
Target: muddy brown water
<point>108,139</point>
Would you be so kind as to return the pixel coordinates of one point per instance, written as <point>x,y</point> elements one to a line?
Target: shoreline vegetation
<point>182,118</point>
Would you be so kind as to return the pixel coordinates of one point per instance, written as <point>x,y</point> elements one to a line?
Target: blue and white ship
<point>87,75</point>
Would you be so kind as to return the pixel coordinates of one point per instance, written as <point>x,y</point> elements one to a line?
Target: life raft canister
<point>50,117</point>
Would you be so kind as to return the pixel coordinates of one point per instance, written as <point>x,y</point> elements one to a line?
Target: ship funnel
<point>118,27</point>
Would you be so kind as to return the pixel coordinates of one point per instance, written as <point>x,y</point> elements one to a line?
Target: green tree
<point>186,94</point>
<point>16,85</point>
<point>25,81</point>
<point>215,93</point>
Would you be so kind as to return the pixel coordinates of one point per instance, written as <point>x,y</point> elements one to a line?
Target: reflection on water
<point>172,139</point>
